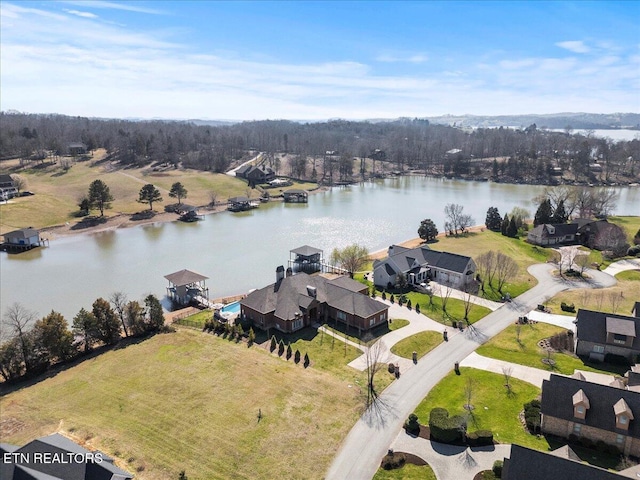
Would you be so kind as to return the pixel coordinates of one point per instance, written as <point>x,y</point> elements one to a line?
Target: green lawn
<point>505,346</point>
<point>408,472</point>
<point>134,403</point>
<point>495,407</point>
<point>422,343</point>
<point>369,337</point>
<point>617,299</point>
<point>455,308</point>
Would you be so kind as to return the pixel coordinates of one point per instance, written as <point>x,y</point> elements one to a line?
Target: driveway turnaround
<point>369,439</point>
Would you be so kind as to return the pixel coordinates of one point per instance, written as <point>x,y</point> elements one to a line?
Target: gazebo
<point>186,286</point>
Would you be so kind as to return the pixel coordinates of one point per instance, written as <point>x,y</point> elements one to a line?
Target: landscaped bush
<point>412,425</point>
<point>616,359</point>
<point>497,468</point>
<point>480,438</point>
<point>562,341</point>
<point>568,307</point>
<point>393,460</point>
<point>634,251</point>
<point>445,429</point>
<point>532,415</point>
<point>417,307</point>
<point>392,299</point>
<point>409,304</point>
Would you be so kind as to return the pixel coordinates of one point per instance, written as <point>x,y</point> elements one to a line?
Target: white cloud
<point>575,46</point>
<point>80,66</point>
<point>81,14</point>
<point>402,58</point>
<point>113,6</point>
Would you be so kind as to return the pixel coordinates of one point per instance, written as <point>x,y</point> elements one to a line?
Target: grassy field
<point>57,192</point>
<point>134,403</point>
<point>455,309</point>
<point>496,408</point>
<point>621,296</point>
<point>408,472</point>
<point>422,343</point>
<point>630,224</point>
<point>505,346</point>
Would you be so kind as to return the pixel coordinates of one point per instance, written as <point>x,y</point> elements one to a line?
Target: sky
<point>316,60</point>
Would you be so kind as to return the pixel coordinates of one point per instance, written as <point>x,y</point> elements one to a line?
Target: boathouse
<point>238,204</point>
<point>306,259</point>
<point>23,239</point>
<point>186,287</point>
<point>295,195</point>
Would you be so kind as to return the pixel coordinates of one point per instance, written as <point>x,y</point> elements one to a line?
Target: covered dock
<point>186,286</point>
<point>22,240</point>
<point>240,204</point>
<point>295,195</point>
<point>189,213</point>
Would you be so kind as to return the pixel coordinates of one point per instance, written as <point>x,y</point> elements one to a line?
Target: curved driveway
<point>368,441</point>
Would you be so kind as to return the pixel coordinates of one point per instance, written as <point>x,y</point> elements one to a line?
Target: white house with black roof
<point>421,264</point>
<point>574,407</point>
<point>55,457</point>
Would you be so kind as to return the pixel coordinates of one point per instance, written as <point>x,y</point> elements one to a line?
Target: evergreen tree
<point>53,338</point>
<point>543,214</point>
<point>560,215</point>
<point>178,191</point>
<point>505,224</point>
<point>493,221</point>
<point>306,360</point>
<point>155,315</point>
<point>106,321</point>
<point>85,326</point>
<point>427,230</point>
<point>512,229</point>
<point>99,196</point>
<point>149,194</point>
<point>252,336</point>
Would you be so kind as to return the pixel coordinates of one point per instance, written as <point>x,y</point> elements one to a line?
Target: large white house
<point>422,264</point>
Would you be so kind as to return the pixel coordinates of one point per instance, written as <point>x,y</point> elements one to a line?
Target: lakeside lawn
<point>57,192</point>
<point>505,346</point>
<point>622,296</point>
<point>134,403</point>
<point>496,408</point>
<point>421,343</point>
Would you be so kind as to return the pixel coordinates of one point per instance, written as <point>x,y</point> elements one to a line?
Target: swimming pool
<point>231,308</point>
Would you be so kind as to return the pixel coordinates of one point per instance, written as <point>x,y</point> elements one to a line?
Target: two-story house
<point>598,334</point>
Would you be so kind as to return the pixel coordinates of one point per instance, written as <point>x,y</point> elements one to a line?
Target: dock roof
<point>185,277</point>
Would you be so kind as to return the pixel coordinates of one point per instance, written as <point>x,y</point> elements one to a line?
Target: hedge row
<point>445,429</point>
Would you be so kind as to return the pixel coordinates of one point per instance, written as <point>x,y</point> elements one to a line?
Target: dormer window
<point>580,405</point>
<point>623,414</point>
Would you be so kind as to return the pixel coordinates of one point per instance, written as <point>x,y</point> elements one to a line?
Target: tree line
<point>31,346</point>
<point>529,154</point>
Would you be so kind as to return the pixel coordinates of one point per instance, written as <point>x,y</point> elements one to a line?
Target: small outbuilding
<point>23,239</point>
<point>186,286</point>
<point>295,195</point>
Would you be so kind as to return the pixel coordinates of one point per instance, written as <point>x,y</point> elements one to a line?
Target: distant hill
<point>554,120</point>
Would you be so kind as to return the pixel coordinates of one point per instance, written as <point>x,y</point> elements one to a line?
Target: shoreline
<point>417,241</point>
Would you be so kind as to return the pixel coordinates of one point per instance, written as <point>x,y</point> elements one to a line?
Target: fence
<point>189,323</point>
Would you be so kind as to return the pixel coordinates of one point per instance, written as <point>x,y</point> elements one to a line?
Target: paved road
<point>369,439</point>
<point>622,265</point>
<point>232,172</point>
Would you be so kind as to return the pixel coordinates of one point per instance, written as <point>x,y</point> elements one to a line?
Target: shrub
<point>417,307</point>
<point>296,356</point>
<point>412,425</point>
<point>532,415</point>
<point>497,468</point>
<point>409,304</point>
<point>445,429</point>
<point>272,347</point>
<point>289,351</point>
<point>480,438</point>
<point>634,251</point>
<point>568,307</point>
<point>613,450</point>
<point>392,299</point>
<point>400,301</point>
<point>306,360</point>
<point>384,295</point>
<point>392,367</point>
<point>281,347</point>
<point>393,460</point>
<point>586,442</point>
<point>616,359</point>
<point>601,446</point>
<point>252,336</point>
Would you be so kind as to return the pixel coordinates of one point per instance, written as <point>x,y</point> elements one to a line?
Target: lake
<point>240,251</point>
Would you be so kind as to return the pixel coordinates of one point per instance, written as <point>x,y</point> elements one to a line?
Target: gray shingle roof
<point>185,277</point>
<point>557,393</point>
<point>21,234</point>
<point>527,464</point>
<point>444,260</point>
<point>306,251</point>
<point>591,326</point>
<point>289,295</point>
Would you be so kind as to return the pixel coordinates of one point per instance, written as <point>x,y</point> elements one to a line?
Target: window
<point>580,409</point>
<point>620,439</point>
<point>622,420</point>
<point>576,428</point>
<point>372,322</point>
<point>598,348</point>
<point>297,324</point>
<point>619,339</point>
<point>341,315</point>
<point>383,317</point>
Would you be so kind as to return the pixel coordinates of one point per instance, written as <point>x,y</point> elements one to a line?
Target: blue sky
<point>318,60</point>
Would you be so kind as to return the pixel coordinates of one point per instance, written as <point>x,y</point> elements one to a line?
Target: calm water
<point>240,251</point>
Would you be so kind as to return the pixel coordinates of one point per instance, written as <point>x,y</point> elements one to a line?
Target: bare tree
<point>616,299</point>
<point>445,294</point>
<point>119,302</point>
<point>468,393</point>
<point>570,257</point>
<point>376,358</point>
<point>557,259</point>
<point>518,331</point>
<point>582,262</point>
<point>599,300</point>
<point>507,372</point>
<point>467,299</point>
<point>352,258</point>
<point>456,220</point>
<point>486,264</point>
<point>213,196</point>
<point>18,320</point>
<point>19,182</point>
<point>506,269</point>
